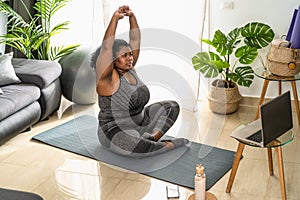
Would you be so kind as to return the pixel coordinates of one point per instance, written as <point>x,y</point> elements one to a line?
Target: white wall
<point>276,13</point>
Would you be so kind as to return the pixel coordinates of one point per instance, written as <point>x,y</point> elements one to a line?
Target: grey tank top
<point>127,102</point>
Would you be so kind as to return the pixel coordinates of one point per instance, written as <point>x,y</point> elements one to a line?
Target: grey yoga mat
<point>177,166</point>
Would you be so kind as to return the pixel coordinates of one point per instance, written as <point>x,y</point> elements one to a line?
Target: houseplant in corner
<point>32,38</point>
<point>231,61</point>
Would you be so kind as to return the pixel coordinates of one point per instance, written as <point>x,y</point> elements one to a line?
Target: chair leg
<point>270,161</point>
<point>281,172</point>
<point>235,166</point>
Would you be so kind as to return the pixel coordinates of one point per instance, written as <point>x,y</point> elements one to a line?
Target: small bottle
<point>200,183</point>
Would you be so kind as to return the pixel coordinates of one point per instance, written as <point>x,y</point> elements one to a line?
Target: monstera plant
<point>233,53</point>
<point>33,38</point>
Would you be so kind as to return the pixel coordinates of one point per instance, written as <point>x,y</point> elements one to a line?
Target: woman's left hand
<point>128,12</point>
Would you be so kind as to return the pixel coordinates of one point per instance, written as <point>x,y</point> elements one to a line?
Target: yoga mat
<point>177,166</point>
<point>295,37</point>
<point>289,34</point>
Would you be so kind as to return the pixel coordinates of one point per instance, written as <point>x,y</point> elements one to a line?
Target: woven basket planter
<point>224,100</point>
<point>283,61</point>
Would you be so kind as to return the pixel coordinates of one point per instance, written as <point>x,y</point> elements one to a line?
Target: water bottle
<point>200,183</point>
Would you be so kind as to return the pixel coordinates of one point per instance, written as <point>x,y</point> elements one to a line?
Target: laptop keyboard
<point>255,137</point>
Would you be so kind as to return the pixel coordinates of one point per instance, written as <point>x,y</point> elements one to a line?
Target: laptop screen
<point>276,116</point>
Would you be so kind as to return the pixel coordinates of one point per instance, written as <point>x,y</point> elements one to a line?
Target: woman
<point>126,126</point>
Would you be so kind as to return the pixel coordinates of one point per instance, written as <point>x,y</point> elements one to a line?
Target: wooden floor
<point>56,174</point>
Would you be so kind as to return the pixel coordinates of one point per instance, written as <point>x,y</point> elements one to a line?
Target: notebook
<point>275,120</point>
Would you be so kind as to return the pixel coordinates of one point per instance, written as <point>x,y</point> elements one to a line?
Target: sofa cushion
<point>7,71</point>
<point>20,120</point>
<point>17,96</point>
<point>39,72</point>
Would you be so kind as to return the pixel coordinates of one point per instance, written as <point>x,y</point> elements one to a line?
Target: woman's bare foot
<point>171,144</point>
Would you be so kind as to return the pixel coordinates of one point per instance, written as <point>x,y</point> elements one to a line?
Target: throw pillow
<point>7,71</point>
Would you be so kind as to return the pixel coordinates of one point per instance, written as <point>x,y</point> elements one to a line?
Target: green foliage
<point>33,38</point>
<point>242,44</point>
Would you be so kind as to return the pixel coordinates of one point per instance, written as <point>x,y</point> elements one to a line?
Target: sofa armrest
<point>38,72</point>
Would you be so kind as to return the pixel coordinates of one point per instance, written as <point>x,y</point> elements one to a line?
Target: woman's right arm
<point>104,65</point>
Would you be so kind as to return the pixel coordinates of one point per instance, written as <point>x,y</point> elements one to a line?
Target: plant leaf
<point>58,52</point>
<point>59,27</point>
<point>13,17</point>
<point>257,34</point>
<point>220,43</point>
<point>208,63</point>
<point>207,41</point>
<point>47,8</point>
<point>246,54</point>
<point>243,76</point>
<point>232,37</point>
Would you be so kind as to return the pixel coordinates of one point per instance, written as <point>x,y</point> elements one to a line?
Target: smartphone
<point>172,191</point>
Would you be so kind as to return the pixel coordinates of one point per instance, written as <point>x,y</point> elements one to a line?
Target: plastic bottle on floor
<point>200,183</point>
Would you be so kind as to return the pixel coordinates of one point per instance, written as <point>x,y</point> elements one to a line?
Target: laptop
<point>275,120</point>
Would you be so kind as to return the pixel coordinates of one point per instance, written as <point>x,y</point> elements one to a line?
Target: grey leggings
<point>135,140</point>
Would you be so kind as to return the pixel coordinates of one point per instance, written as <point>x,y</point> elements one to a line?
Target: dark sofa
<point>37,96</point>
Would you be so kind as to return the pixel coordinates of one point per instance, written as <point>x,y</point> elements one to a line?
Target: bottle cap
<point>200,169</point>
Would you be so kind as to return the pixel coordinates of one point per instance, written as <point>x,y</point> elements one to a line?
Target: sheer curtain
<point>171,31</point>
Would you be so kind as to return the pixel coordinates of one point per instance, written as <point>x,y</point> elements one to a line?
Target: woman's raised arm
<point>104,65</point>
<point>134,34</point>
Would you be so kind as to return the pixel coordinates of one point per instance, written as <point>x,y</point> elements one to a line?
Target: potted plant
<point>231,61</point>
<point>33,38</point>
